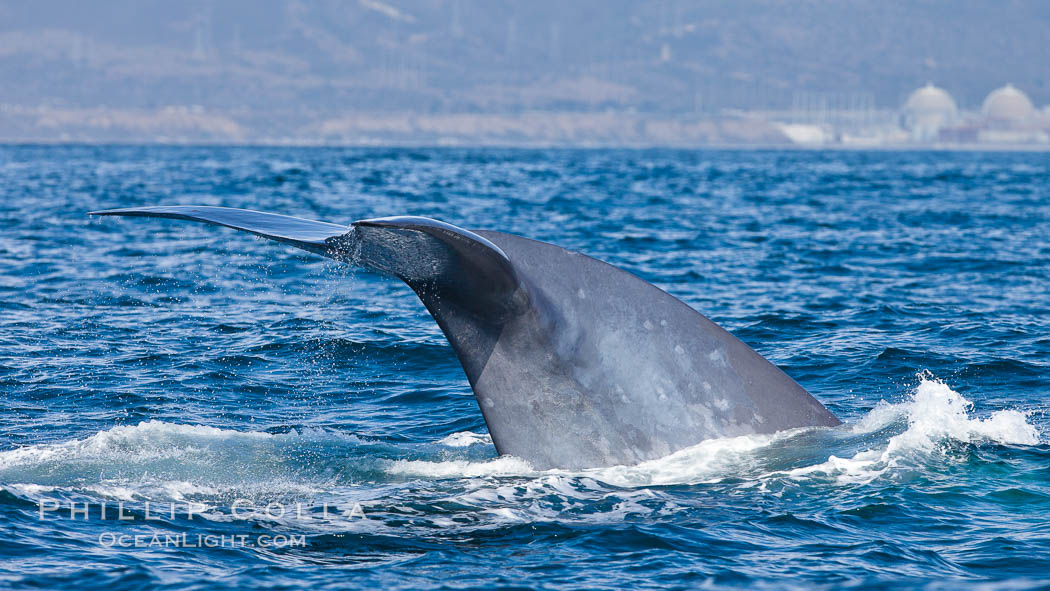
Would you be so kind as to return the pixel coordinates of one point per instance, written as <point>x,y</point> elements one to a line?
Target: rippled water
<point>164,362</point>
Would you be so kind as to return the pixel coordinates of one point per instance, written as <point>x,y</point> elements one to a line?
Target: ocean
<point>187,407</point>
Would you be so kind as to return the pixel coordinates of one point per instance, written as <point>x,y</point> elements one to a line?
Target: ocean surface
<point>294,423</point>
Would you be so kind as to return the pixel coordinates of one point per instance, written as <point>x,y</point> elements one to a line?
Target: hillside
<point>285,70</point>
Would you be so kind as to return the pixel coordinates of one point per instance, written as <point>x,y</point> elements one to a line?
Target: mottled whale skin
<point>575,363</point>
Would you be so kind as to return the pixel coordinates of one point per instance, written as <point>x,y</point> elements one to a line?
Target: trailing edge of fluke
<point>574,363</point>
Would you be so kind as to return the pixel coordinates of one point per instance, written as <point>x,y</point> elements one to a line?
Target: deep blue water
<point>160,361</point>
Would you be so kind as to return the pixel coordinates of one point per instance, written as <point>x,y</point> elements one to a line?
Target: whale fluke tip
<point>129,211</point>
<point>306,234</point>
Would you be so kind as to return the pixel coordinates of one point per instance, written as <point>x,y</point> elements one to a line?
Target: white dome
<point>930,100</point>
<point>927,111</point>
<point>1008,104</point>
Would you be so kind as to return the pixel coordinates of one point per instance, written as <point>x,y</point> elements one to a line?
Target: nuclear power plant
<point>929,116</point>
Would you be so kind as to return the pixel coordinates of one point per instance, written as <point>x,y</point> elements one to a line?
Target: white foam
<point>937,413</point>
<point>120,493</point>
<point>707,461</point>
<point>936,416</point>
<point>883,415</point>
<point>28,489</point>
<point>501,466</point>
<point>158,460</point>
<point>147,440</point>
<point>507,514</point>
<point>465,439</point>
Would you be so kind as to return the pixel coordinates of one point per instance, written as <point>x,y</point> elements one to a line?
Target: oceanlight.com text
<point>183,540</point>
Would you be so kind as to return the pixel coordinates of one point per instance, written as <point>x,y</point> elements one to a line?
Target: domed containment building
<point>927,111</point>
<point>1010,118</point>
<point>1007,108</point>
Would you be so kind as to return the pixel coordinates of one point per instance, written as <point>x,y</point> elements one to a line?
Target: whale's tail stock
<point>574,363</point>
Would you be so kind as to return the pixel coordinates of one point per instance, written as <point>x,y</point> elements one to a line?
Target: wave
<point>936,417</point>
<point>146,440</point>
<point>160,460</point>
<point>465,439</point>
<point>501,466</point>
<point>924,427</point>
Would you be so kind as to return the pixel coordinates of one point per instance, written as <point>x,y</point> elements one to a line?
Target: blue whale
<point>574,363</point>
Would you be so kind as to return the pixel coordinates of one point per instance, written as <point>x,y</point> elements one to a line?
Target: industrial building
<point>929,116</point>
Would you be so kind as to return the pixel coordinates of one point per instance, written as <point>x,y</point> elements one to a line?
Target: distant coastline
<point>530,129</point>
<point>408,144</point>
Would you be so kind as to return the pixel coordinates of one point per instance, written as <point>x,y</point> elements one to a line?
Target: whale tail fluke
<point>445,265</point>
<point>574,363</point>
<point>306,234</point>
